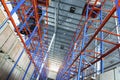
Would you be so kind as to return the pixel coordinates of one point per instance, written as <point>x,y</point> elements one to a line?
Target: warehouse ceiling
<point>63,22</point>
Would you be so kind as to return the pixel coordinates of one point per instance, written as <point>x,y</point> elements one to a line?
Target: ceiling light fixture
<point>53,67</point>
<point>72,9</point>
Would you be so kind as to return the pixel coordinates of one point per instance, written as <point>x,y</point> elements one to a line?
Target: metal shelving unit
<point>35,41</point>
<point>90,41</point>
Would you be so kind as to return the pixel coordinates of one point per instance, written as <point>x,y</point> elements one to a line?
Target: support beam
<point>16,28</point>
<point>97,31</point>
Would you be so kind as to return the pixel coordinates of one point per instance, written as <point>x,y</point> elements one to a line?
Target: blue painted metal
<point>79,69</point>
<point>8,2</point>
<point>68,75</point>
<point>37,48</point>
<point>43,76</point>
<point>29,41</point>
<point>33,75</point>
<point>4,22</point>
<point>43,63</point>
<point>24,24</point>
<point>87,61</point>
<point>28,10</point>
<point>40,63</point>
<point>101,45</point>
<point>34,54</point>
<point>17,7</point>
<point>118,9</point>
<point>31,35</point>
<point>43,14</point>
<point>17,61</point>
<point>15,65</point>
<point>26,71</point>
<point>82,73</point>
<point>83,44</point>
<point>40,66</point>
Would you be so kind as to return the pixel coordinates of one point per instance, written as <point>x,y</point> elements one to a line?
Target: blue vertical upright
<point>83,44</point>
<point>101,45</point>
<point>118,9</point>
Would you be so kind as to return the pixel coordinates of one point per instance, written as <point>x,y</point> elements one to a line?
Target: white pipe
<point>42,66</point>
<point>54,31</point>
<point>51,42</point>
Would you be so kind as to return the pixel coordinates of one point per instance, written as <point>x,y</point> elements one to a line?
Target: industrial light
<point>62,47</point>
<point>72,9</point>
<point>53,67</point>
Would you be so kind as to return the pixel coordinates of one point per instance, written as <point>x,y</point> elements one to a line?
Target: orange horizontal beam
<point>106,31</point>
<point>110,42</point>
<point>17,30</point>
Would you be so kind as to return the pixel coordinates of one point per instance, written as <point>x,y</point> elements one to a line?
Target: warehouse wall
<point>10,50</point>
<point>52,74</point>
<point>113,74</point>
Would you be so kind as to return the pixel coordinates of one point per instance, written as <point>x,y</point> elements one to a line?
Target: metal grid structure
<point>78,42</point>
<point>94,42</point>
<point>34,43</point>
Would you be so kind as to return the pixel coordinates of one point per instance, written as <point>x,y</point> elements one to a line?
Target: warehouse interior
<point>59,39</point>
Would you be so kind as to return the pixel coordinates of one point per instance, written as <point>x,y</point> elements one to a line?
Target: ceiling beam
<point>65,10</point>
<point>64,21</point>
<point>61,15</point>
<point>62,36</point>
<point>69,4</point>
<point>61,30</point>
<point>60,42</point>
<point>63,26</point>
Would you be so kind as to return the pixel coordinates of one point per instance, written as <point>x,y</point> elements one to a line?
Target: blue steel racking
<point>76,63</point>
<point>34,45</point>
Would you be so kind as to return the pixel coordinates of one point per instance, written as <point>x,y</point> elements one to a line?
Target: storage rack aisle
<point>88,50</point>
<point>23,47</point>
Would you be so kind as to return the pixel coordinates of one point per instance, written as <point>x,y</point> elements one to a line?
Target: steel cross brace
<point>97,31</point>
<point>82,28</point>
<point>17,7</point>
<point>15,26</point>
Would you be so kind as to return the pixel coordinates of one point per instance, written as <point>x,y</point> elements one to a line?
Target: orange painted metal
<point>37,17</point>
<point>104,55</point>
<point>105,31</point>
<point>35,7</point>
<point>17,30</point>
<point>110,42</point>
<point>43,2</point>
<point>86,19</point>
<point>95,11</point>
<point>100,27</point>
<point>93,37</point>
<point>92,51</point>
<point>119,3</point>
